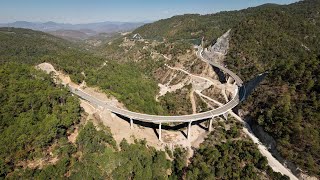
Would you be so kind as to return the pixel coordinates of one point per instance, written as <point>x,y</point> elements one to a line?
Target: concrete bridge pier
<point>230,80</point>
<point>131,123</point>
<point>159,134</point>
<point>189,130</point>
<point>202,42</point>
<point>210,124</point>
<point>225,116</point>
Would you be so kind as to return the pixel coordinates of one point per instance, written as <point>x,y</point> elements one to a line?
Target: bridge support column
<point>229,79</point>
<point>131,123</point>
<point>225,77</point>
<point>189,130</point>
<point>202,42</point>
<point>210,124</point>
<point>225,115</point>
<point>160,132</point>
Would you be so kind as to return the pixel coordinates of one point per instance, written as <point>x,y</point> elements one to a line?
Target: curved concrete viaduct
<point>238,97</point>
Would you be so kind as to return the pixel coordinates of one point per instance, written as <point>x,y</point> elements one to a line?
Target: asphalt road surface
<point>240,93</point>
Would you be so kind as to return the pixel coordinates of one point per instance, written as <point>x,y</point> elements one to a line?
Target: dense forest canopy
<point>284,41</point>
<point>224,155</point>
<point>33,113</point>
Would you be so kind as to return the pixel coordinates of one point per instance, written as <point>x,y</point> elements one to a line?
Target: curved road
<point>240,94</point>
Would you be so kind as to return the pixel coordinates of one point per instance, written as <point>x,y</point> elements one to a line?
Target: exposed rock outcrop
<point>219,50</point>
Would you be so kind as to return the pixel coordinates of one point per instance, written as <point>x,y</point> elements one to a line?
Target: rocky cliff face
<point>219,50</point>
<point>222,44</point>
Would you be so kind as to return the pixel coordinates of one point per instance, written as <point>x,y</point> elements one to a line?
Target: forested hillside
<point>283,40</point>
<point>191,26</point>
<point>33,114</point>
<point>96,156</point>
<point>228,154</point>
<point>34,47</point>
<point>119,79</point>
<point>38,116</point>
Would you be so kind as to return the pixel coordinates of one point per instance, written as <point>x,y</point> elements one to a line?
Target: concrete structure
<point>137,37</point>
<point>238,97</point>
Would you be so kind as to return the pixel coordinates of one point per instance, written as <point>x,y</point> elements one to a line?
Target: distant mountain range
<point>83,30</point>
<point>107,26</point>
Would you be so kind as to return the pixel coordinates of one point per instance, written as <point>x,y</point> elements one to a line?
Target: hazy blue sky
<point>83,11</point>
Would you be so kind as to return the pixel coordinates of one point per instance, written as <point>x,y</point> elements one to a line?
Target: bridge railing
<point>183,118</point>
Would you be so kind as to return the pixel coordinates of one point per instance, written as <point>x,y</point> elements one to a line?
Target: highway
<point>166,119</point>
<point>240,95</point>
<point>230,73</point>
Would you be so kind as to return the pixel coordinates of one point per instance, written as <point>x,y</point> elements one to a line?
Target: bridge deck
<point>165,119</point>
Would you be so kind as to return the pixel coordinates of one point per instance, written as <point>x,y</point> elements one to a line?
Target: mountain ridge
<point>99,27</point>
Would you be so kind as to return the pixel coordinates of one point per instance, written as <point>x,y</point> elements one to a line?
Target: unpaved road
<point>218,52</point>
<point>272,161</point>
<point>200,83</point>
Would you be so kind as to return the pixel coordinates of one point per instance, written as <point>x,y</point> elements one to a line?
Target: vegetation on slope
<point>191,26</point>
<point>152,66</point>
<point>34,47</point>
<point>36,115</point>
<point>230,160</point>
<point>96,156</point>
<point>177,102</point>
<point>281,39</point>
<point>130,83</point>
<point>284,40</point>
<point>227,154</point>
<point>33,113</point>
